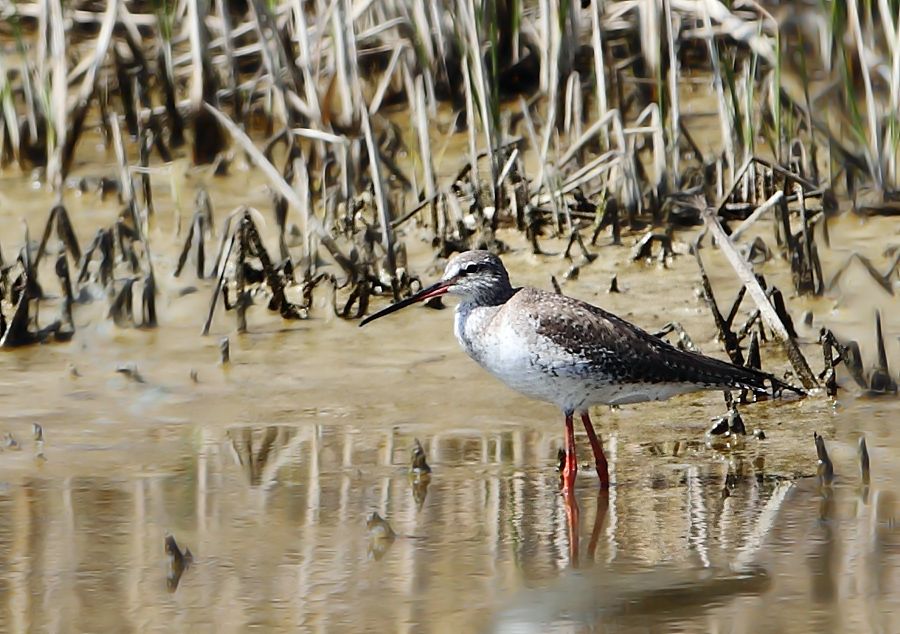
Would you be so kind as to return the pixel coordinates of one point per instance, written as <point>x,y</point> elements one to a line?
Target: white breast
<point>511,355</point>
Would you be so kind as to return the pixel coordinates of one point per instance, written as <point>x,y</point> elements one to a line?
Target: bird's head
<point>475,276</point>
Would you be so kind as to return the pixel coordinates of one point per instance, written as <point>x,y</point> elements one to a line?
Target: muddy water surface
<point>267,468</point>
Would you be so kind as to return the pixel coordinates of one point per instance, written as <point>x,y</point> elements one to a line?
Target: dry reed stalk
<point>422,130</point>
<point>232,68</point>
<point>126,184</point>
<point>301,36</point>
<point>273,63</point>
<point>484,93</point>
<point>385,81</point>
<point>655,130</point>
<point>10,118</point>
<point>276,180</point>
<point>767,312</point>
<point>381,204</point>
<point>674,100</point>
<point>280,78</point>
<point>873,128</point>
<point>423,29</point>
<point>470,128</point>
<point>197,50</point>
<point>569,116</point>
<point>726,122</point>
<point>769,204</point>
<point>892,143</point>
<point>343,64</point>
<point>552,61</point>
<point>301,178</point>
<point>89,84</point>
<point>56,141</point>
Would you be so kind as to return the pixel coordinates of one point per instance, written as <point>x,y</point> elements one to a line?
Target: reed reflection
<point>282,516</point>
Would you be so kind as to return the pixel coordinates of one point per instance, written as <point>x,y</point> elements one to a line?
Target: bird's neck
<point>470,321</point>
<point>489,298</point>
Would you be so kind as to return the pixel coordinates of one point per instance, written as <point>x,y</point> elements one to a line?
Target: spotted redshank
<point>568,352</point>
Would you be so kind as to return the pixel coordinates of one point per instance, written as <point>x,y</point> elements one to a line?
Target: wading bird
<point>568,352</point>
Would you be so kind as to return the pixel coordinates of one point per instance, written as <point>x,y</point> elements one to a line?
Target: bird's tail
<point>723,374</point>
<point>760,382</point>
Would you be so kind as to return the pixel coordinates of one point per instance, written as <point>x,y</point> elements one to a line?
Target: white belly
<point>531,365</point>
<point>516,360</point>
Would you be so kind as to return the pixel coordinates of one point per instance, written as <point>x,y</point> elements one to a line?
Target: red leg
<point>597,447</point>
<point>571,468</point>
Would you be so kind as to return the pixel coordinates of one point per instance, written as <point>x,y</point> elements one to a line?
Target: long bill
<point>435,290</point>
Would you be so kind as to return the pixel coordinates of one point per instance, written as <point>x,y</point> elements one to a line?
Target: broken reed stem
<point>770,203</point>
<point>767,312</point>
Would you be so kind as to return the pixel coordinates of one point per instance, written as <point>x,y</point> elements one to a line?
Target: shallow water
<point>267,468</point>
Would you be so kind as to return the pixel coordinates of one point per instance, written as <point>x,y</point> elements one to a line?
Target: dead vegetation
<point>571,115</point>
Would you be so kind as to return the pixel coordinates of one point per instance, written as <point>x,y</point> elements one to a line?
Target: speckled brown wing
<point>621,352</point>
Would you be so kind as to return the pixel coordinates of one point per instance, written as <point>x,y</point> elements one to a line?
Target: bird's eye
<point>470,268</point>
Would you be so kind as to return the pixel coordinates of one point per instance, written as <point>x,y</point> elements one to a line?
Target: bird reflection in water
<point>609,595</point>
<point>590,596</point>
<point>573,524</point>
